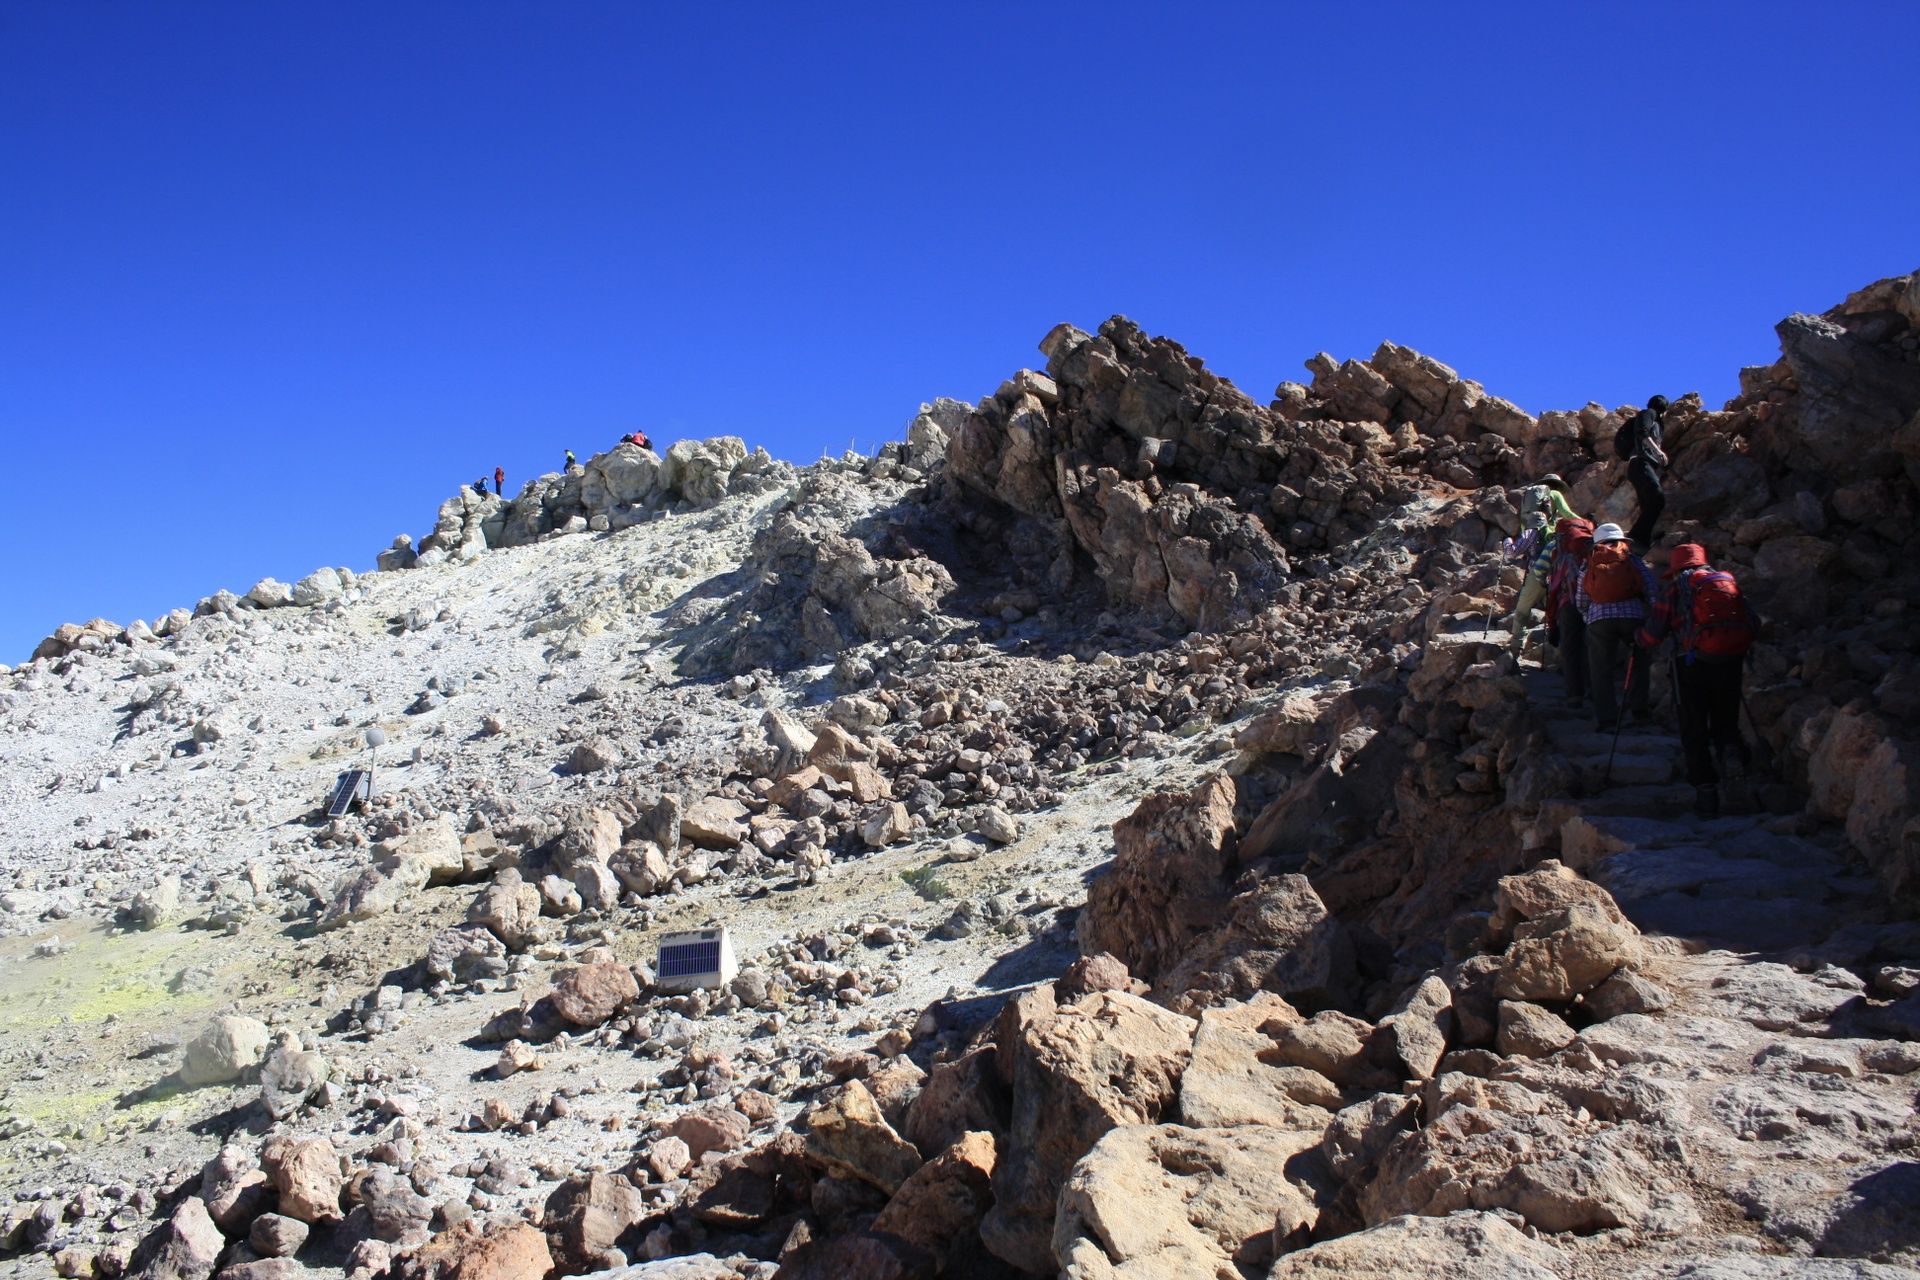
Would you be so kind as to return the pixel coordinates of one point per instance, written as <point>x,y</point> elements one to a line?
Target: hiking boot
<point>1732,768</point>
<point>1706,801</point>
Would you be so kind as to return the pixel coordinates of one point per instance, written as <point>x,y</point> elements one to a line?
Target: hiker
<point>571,464</point>
<point>1551,510</point>
<point>1639,441</point>
<point>1566,627</point>
<point>1553,499</point>
<point>1535,547</point>
<point>480,486</point>
<point>637,438</point>
<point>499,478</point>
<point>1615,592</point>
<point>1712,629</point>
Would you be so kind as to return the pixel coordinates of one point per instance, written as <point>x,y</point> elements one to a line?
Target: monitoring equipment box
<point>695,958</point>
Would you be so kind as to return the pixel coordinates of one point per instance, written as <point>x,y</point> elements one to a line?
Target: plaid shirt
<point>1632,607</point>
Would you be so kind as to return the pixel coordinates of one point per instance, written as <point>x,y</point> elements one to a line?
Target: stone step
<point>1627,770</point>
<point>1579,737</point>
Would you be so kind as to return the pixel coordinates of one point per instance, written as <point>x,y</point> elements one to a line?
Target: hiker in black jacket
<point>1641,443</point>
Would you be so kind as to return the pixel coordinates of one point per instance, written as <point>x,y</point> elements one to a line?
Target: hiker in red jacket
<point>1712,629</point>
<point>1615,591</point>
<point>1566,628</point>
<point>499,478</point>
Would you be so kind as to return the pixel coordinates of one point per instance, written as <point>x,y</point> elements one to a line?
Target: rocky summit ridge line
<point>1145,857</point>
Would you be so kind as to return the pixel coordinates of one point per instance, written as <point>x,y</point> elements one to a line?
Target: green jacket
<point>1557,508</point>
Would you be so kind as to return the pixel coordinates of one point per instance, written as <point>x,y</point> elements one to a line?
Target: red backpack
<point>1712,619</point>
<point>1611,575</point>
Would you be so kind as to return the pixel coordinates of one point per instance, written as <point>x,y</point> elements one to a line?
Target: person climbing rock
<point>1615,592</point>
<point>499,478</point>
<point>571,464</point>
<point>480,486</point>
<point>1712,628</point>
<point>637,438</point>
<point>1566,627</point>
<point>1641,442</point>
<point>1538,553</point>
<point>1553,499</point>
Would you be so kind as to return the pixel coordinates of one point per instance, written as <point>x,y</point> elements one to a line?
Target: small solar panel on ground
<point>350,787</point>
<point>685,959</point>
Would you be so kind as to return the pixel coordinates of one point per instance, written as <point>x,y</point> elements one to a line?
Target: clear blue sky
<point>277,278</point>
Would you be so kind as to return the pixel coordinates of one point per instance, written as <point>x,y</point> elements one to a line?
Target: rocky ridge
<point>1372,917</point>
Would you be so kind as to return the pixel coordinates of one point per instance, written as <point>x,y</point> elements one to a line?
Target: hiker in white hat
<point>1614,593</point>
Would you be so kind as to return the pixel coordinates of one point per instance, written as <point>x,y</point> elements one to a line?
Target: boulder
<point>1231,1081</point>
<point>585,1216</point>
<point>307,1176</point>
<point>1566,954</point>
<point>1528,1031</point>
<point>886,824</point>
<point>509,907</point>
<point>473,1250</point>
<point>939,1207</point>
<point>1418,1028</point>
<point>1169,879</point>
<point>709,1129</point>
<point>714,823</point>
<point>269,593</point>
<point>466,953</point>
<point>1159,1200</point>
<point>1110,1059</point>
<point>274,1235</point>
<point>591,755</point>
<point>1460,1246</point>
<point>848,1135</point>
<point>699,471</point>
<point>225,1050</point>
<point>289,1076</point>
<point>997,825</point>
<point>589,994</point>
<point>184,1247</point>
<point>318,587</point>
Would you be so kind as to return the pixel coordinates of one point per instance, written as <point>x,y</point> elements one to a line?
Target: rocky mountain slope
<point>1144,857</point>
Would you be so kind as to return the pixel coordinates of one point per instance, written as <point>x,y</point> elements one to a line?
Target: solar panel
<point>684,959</point>
<point>354,784</point>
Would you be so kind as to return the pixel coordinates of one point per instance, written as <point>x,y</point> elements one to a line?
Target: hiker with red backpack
<point>1712,628</point>
<point>1566,627</point>
<point>1614,591</point>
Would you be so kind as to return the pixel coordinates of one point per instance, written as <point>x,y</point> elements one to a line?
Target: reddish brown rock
<point>590,994</point>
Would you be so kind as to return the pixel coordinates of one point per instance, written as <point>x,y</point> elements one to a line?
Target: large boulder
<point>1233,1078</point>
<point>939,1207</point>
<point>1170,879</point>
<point>184,1247</point>
<point>1111,1059</point>
<point>1460,1246</point>
<point>226,1049</point>
<point>700,470</point>
<point>589,994</point>
<point>1160,1200</point>
<point>585,1217</point>
<point>849,1136</point>
<point>307,1175</point>
<point>510,908</point>
<point>1567,953</point>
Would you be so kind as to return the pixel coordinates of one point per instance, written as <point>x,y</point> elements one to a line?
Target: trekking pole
<point>1619,718</point>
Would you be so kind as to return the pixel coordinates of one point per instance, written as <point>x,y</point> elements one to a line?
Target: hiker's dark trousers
<point>1609,648</point>
<point>1708,693</point>
<point>1573,650</point>
<point>1653,500</point>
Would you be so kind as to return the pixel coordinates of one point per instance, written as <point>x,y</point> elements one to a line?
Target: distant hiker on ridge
<point>480,486</point>
<point>499,478</point>
<point>637,438</point>
<point>1615,592</point>
<point>571,464</point>
<point>1640,442</point>
<point>1712,628</point>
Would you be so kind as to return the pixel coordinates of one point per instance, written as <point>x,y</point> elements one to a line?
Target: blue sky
<point>276,278</point>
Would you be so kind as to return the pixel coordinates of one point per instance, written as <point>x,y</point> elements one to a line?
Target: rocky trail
<point>1144,858</point>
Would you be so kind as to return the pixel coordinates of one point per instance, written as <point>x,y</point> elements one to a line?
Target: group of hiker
<point>500,474</point>
<point>499,480</point>
<point>1608,616</point>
